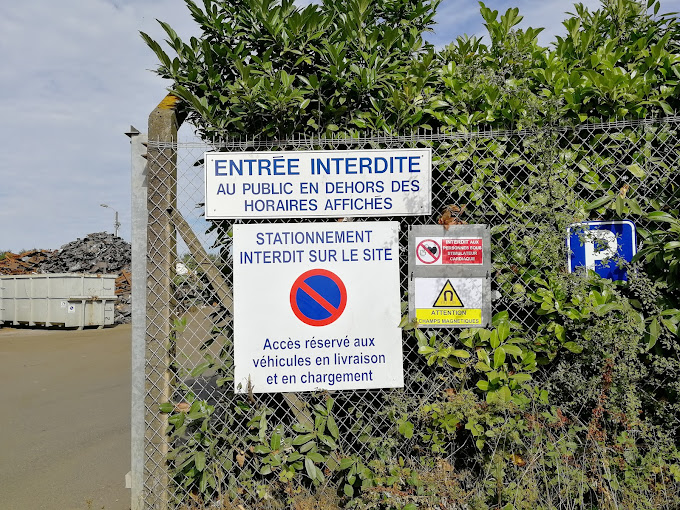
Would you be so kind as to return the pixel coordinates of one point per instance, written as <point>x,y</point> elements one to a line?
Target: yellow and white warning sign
<point>449,301</point>
<point>448,298</point>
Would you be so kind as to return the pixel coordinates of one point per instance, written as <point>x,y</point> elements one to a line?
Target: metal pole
<point>116,223</point>
<point>139,218</point>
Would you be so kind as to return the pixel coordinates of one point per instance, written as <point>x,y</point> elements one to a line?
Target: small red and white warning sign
<point>462,250</point>
<point>439,251</point>
<point>428,251</point>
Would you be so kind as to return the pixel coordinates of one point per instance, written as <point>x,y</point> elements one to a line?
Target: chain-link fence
<point>204,443</point>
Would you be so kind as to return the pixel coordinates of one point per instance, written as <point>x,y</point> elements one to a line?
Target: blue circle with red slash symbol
<point>318,297</point>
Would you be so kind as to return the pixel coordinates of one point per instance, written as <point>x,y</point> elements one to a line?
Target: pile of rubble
<point>98,253</point>
<point>23,263</point>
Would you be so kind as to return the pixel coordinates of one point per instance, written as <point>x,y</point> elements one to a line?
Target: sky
<point>75,75</point>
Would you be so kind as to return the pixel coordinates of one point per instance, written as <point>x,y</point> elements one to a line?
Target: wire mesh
<point>527,185</point>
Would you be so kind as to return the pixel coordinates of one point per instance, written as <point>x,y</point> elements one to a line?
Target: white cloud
<point>75,75</point>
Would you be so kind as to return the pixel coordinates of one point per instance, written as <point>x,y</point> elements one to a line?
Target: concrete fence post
<point>162,255</point>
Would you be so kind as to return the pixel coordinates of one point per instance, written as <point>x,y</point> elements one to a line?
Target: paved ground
<point>65,427</point>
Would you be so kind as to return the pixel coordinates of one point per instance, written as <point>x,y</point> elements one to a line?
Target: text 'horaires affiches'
<point>305,184</point>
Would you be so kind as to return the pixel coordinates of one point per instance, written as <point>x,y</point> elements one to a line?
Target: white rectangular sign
<point>326,184</point>
<point>316,306</point>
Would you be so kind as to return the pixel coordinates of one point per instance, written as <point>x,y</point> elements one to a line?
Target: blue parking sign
<point>600,245</point>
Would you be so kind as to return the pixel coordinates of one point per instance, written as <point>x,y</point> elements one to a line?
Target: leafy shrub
<point>570,398</point>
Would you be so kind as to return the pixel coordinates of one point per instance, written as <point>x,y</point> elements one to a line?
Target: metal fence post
<point>139,220</point>
<point>162,255</point>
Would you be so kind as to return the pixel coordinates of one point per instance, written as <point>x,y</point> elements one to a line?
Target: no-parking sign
<point>317,306</point>
<point>318,297</point>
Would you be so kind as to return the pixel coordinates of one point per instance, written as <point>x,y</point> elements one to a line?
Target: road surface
<point>65,432</point>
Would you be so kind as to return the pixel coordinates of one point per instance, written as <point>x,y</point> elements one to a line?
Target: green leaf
<point>636,170</point>
<point>310,468</point>
<point>483,356</point>
<point>196,415</point>
<point>422,339</point>
<point>574,314</point>
<point>332,427</point>
<point>438,104</point>
<point>348,490</point>
<point>166,407</point>
<point>654,332</point>
<point>599,202</point>
<point>315,456</point>
<point>483,385</point>
<point>303,439</point>
<point>406,429</point>
<point>500,317</point>
<point>503,330</point>
<point>199,369</point>
<point>484,334</point>
<point>263,426</point>
<point>573,347</point>
<point>308,446</point>
<point>261,448</point>
<point>494,340</point>
<point>521,377</point>
<point>661,216</point>
<point>203,482</point>
<point>346,463</point>
<point>619,205</point>
<point>276,441</point>
<point>512,349</point>
<point>498,357</point>
<point>177,420</point>
<point>665,107</point>
<point>454,363</point>
<point>634,207</point>
<point>199,460</point>
<point>482,367</point>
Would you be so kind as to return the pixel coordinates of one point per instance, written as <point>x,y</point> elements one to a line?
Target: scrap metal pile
<point>23,263</point>
<point>97,253</point>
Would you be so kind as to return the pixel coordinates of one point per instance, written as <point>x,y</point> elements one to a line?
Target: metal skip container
<point>69,300</point>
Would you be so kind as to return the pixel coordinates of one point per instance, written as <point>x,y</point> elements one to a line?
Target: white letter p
<point>606,248</point>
